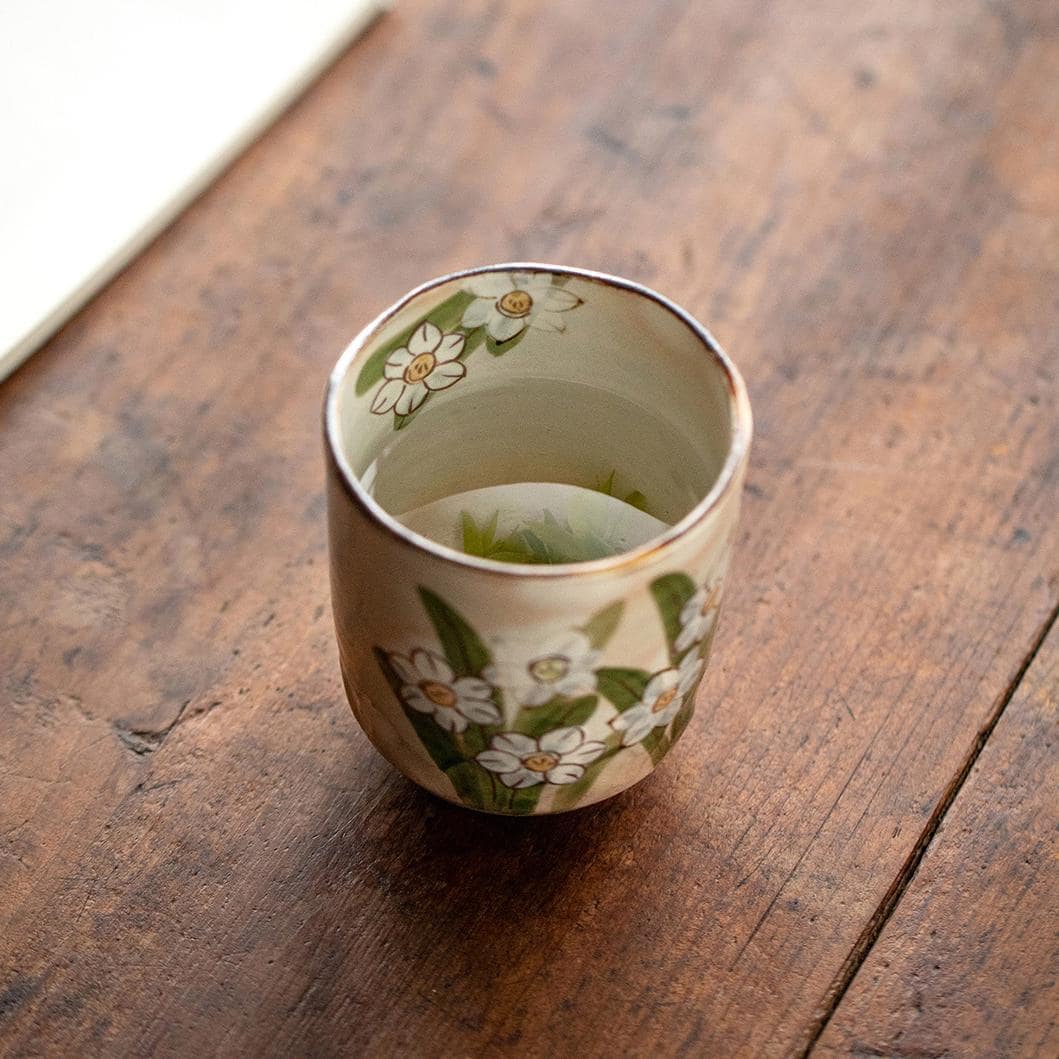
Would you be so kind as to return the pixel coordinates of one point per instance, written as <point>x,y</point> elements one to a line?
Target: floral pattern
<point>507,304</point>
<point>697,616</point>
<point>558,756</point>
<point>427,363</point>
<point>506,730</point>
<point>496,309</point>
<point>662,698</point>
<point>430,686</point>
<point>566,666</point>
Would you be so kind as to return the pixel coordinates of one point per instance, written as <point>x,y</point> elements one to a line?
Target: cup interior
<point>535,374</point>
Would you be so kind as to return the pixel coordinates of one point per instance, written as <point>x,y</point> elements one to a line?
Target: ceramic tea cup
<point>494,441</point>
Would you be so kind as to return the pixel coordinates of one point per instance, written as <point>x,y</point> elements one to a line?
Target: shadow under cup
<point>478,404</point>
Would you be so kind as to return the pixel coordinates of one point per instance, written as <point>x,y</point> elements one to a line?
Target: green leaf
<point>535,546</point>
<point>561,712</point>
<point>489,530</point>
<point>524,800</point>
<point>472,784</point>
<point>372,372</point>
<point>606,485</point>
<point>569,795</point>
<point>682,719</point>
<point>552,541</point>
<point>508,800</point>
<point>475,337</point>
<point>465,652</point>
<point>623,687</point>
<point>438,743</point>
<point>659,742</point>
<point>601,627</point>
<point>447,316</point>
<point>671,592</point>
<point>472,536</point>
<point>482,541</point>
<point>637,500</point>
<point>474,739</point>
<point>498,349</point>
<point>656,744</point>
<point>578,711</point>
<point>707,644</point>
<point>634,499</point>
<point>543,540</point>
<point>479,540</point>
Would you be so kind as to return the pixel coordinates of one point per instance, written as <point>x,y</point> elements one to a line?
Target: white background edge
<point>12,358</point>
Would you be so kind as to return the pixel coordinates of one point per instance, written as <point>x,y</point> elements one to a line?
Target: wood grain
<point>969,963</point>
<point>199,852</point>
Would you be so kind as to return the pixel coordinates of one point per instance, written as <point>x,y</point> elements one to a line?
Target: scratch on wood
<point>147,740</point>
<point>612,143</point>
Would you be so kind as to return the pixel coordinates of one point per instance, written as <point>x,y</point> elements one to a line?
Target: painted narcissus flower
<point>558,756</point>
<point>661,700</point>
<point>428,362</point>
<point>507,303</point>
<point>697,616</point>
<point>566,666</point>
<point>429,685</point>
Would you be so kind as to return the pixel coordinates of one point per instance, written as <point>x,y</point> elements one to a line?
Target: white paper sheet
<point>114,114</point>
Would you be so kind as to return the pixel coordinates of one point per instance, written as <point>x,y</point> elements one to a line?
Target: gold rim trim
<point>653,550</point>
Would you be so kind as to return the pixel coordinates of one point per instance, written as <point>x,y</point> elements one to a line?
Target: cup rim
<point>653,549</point>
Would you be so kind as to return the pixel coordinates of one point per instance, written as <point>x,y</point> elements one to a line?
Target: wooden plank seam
<point>876,924</point>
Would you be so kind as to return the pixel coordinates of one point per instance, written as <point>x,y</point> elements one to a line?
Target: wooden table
<point>853,850</point>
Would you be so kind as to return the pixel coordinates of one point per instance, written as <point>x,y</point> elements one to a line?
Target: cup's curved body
<point>513,688</point>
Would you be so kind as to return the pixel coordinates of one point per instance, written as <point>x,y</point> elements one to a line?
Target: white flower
<point>427,363</point>
<point>566,666</point>
<point>430,686</point>
<point>507,303</point>
<point>559,756</point>
<point>697,616</point>
<point>661,700</point>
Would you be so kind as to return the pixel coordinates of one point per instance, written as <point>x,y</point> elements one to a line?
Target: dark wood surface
<point>199,851</point>
<point>968,961</point>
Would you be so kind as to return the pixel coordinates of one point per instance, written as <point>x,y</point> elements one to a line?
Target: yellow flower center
<point>439,694</point>
<point>515,303</point>
<point>664,700</point>
<point>549,669</point>
<point>540,762</point>
<point>420,367</point>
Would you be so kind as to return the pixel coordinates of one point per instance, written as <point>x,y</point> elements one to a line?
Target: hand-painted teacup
<point>503,680</point>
